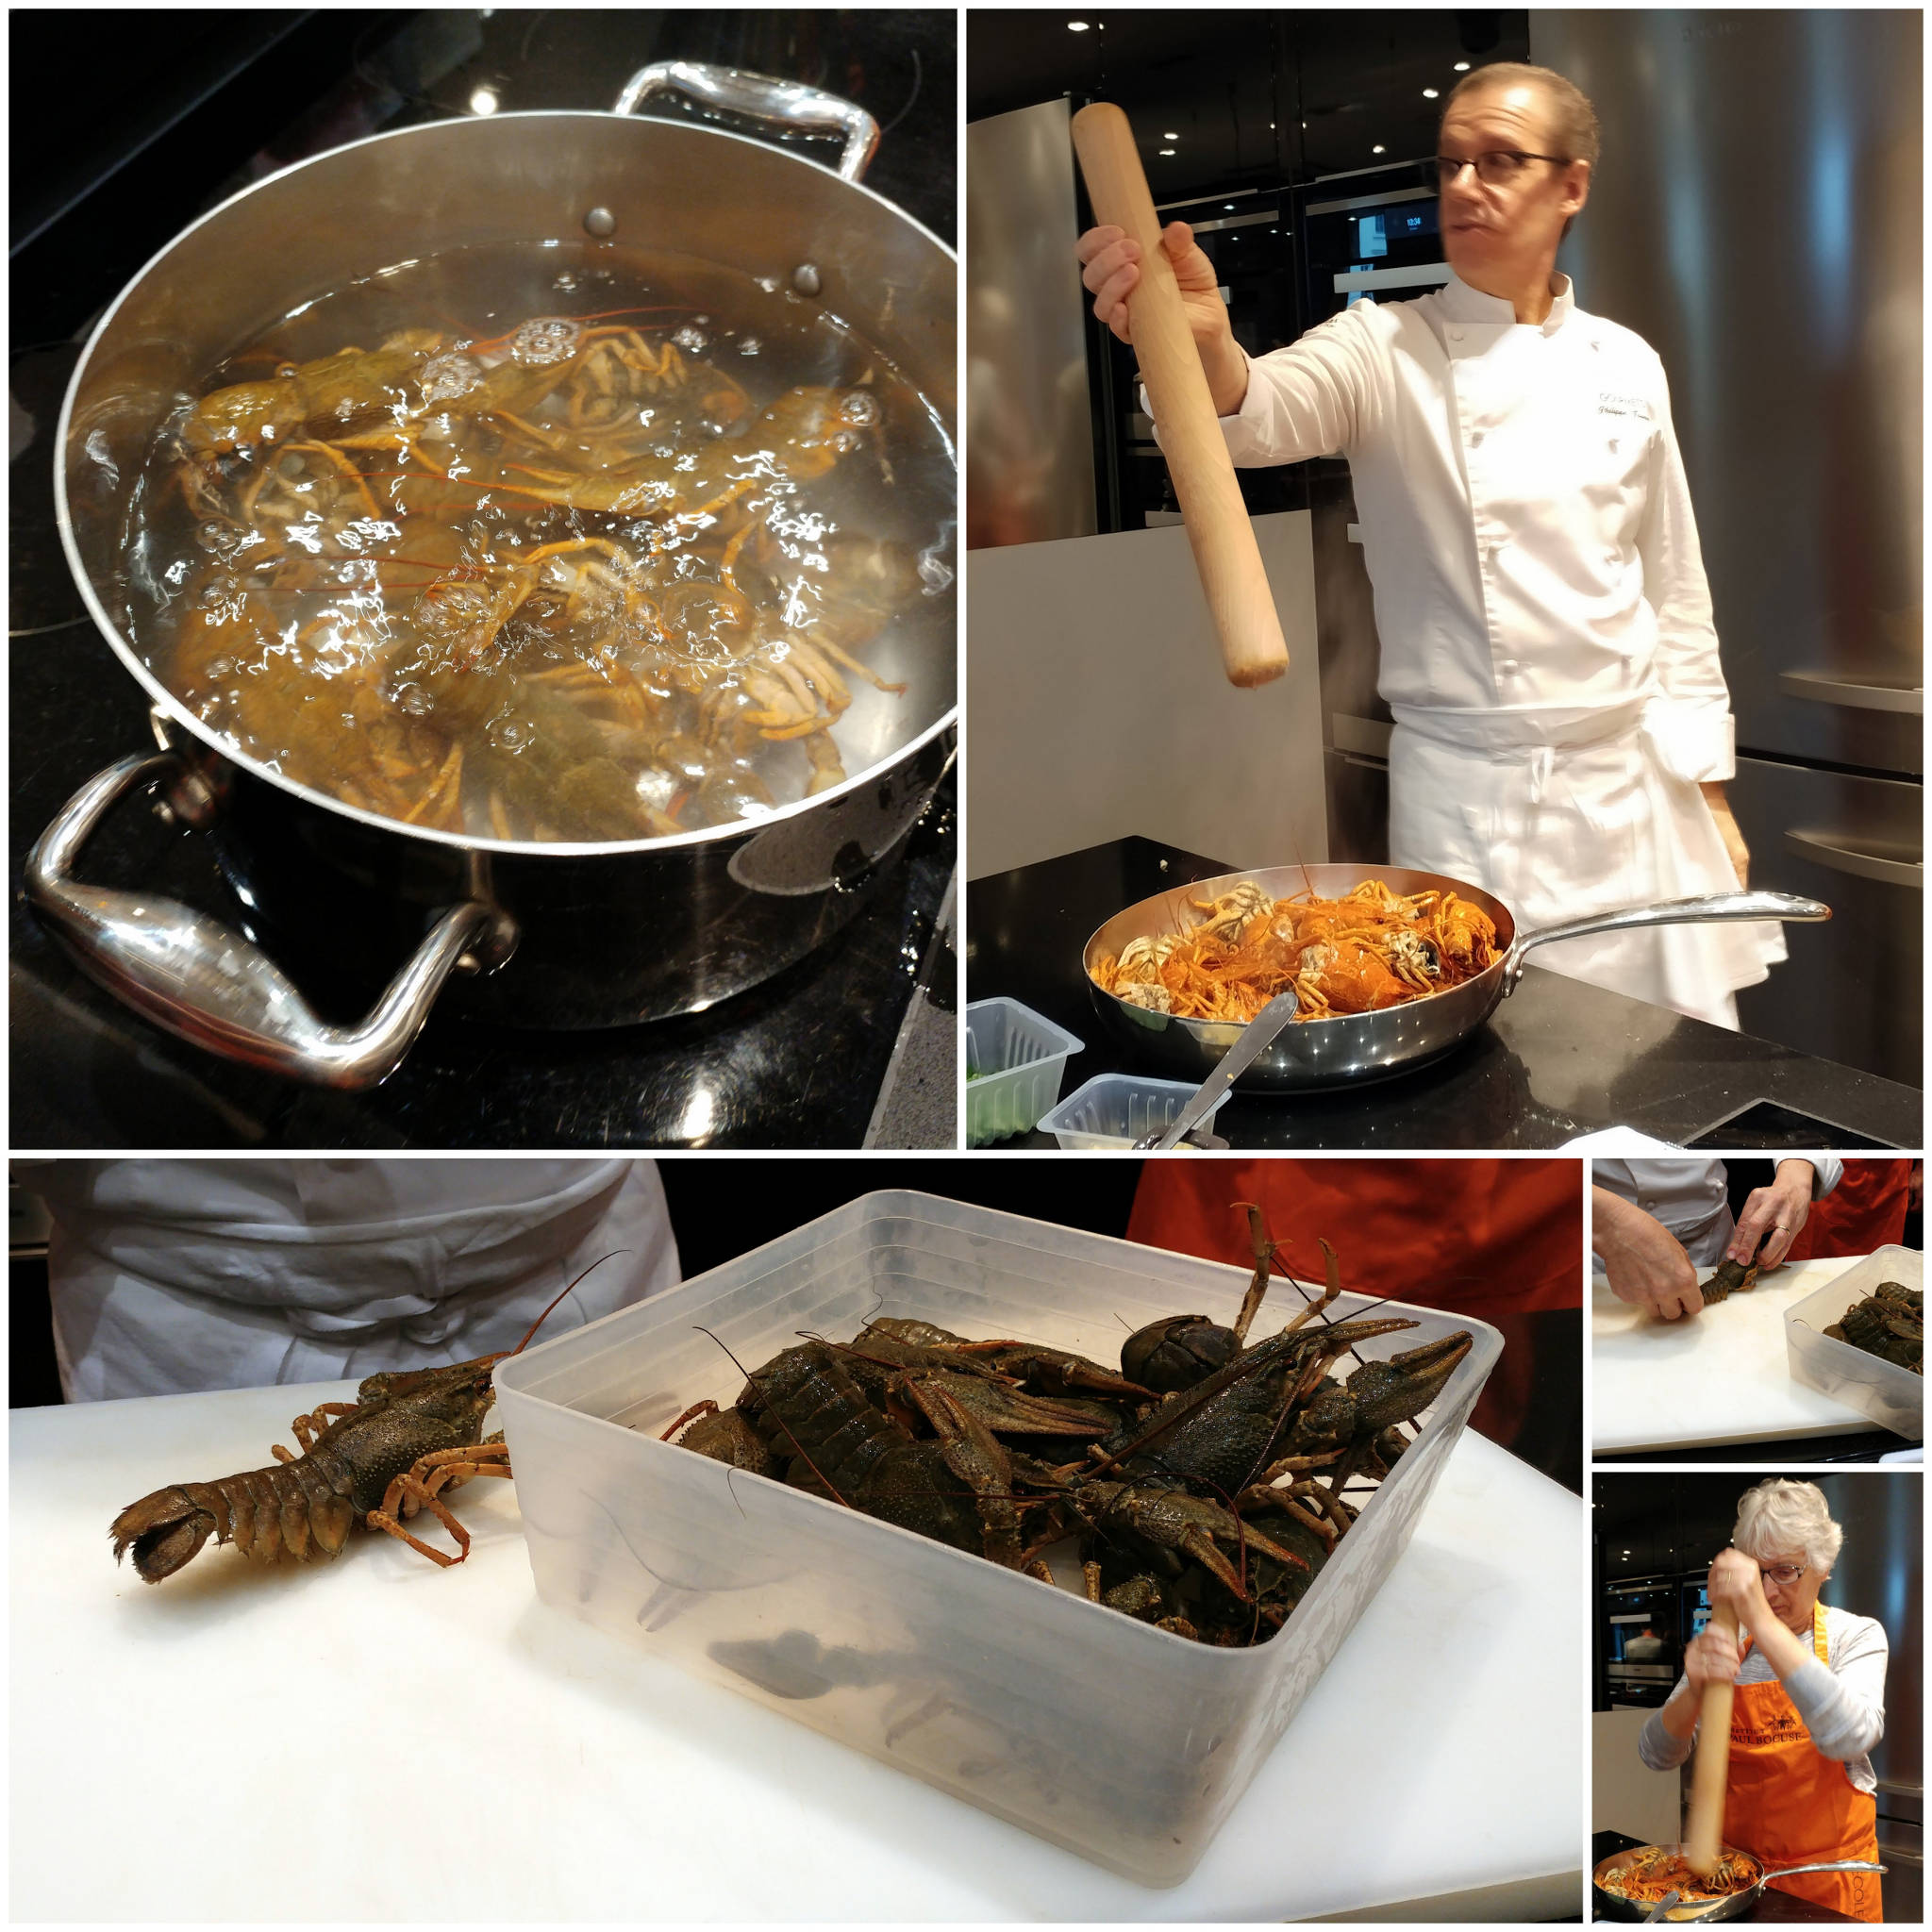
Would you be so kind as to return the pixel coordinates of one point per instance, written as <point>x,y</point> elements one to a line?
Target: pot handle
<point>204,982</point>
<point>1716,906</point>
<point>788,104</point>
<point>1836,1865</point>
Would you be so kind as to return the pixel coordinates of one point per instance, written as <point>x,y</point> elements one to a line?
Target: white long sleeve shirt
<point>1840,1698</point>
<point>1525,516</point>
<point>1688,1197</point>
<point>185,1274</point>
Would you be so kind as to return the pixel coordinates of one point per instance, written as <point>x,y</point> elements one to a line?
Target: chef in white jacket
<point>170,1275</point>
<point>1652,1223</point>
<point>1562,729</point>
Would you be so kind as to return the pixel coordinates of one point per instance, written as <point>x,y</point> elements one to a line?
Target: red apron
<point>1864,1212</point>
<point>1500,1239</point>
<point>1788,1804</point>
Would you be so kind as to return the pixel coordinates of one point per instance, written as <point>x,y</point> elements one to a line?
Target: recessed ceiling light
<point>1430,94</point>
<point>1228,206</point>
<point>1076,27</point>
<point>1167,151</point>
<point>1462,67</point>
<point>1378,149</point>
<point>1170,136</point>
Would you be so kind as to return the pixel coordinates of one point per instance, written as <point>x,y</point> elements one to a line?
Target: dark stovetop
<point>799,1061</point>
<point>1774,1907</point>
<point>1555,1061</point>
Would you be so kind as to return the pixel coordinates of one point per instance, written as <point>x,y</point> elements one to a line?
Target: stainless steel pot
<point>1733,1906</point>
<point>533,935</point>
<point>1353,1047</point>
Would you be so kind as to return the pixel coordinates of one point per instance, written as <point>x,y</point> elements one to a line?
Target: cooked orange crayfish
<point>1357,954</point>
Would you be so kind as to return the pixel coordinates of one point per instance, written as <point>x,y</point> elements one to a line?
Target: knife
<point>1257,1034</point>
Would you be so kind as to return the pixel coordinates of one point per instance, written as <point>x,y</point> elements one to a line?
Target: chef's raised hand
<point>1710,1657</point>
<point>1646,1264</point>
<point>1110,270</point>
<point>1734,1575</point>
<point>1774,1215</point>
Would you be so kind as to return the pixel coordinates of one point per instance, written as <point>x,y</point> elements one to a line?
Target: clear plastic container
<point>1015,1060</point>
<point>1117,1109</point>
<point>1891,1396</point>
<point>1117,1741</point>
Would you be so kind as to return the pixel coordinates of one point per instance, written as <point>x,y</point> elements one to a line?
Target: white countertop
<point>1723,1375</point>
<point>378,1739</point>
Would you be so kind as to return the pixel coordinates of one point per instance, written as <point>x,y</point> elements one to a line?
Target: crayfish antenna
<point>561,1292</point>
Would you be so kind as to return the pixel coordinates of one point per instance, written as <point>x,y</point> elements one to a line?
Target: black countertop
<point>797,1062</point>
<point>1774,1907</point>
<point>1555,1061</point>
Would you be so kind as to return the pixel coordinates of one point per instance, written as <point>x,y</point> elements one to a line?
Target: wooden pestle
<point>1703,1835</point>
<point>1225,553</point>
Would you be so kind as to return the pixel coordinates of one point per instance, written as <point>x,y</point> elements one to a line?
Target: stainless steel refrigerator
<point>1756,218</point>
<point>1879,1573</point>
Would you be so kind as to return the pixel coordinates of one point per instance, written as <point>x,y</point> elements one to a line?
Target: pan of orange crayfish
<point>534,535</point>
<point>1396,967</point>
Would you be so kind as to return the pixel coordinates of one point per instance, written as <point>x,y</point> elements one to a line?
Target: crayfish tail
<point>164,1531</point>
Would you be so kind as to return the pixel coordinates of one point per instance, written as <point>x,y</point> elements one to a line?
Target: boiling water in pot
<point>550,543</point>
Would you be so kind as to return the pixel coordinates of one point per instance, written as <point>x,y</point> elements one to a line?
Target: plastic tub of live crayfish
<point>1892,1396</point>
<point>1006,1690</point>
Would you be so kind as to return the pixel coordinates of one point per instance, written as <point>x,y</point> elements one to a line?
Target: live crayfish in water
<point>1204,1484</point>
<point>607,574</point>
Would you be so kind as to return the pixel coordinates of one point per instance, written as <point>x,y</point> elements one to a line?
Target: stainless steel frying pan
<point>1733,1906</point>
<point>1351,1047</point>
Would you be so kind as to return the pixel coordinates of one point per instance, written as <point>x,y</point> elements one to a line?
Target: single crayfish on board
<point>1203,1485</point>
<point>1730,1277</point>
<point>410,1435</point>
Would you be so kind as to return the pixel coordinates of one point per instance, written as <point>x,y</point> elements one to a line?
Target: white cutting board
<point>1719,1376</point>
<point>379,1739</point>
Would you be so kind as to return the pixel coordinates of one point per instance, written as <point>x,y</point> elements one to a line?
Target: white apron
<point>170,1275</point>
<point>1547,642</point>
<point>1561,830</point>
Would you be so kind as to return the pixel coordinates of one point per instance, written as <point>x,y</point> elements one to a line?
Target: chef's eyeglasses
<point>1499,167</point>
<point>1783,1575</point>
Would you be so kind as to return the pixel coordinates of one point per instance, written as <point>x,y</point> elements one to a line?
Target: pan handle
<point>206,983</point>
<point>1716,905</point>
<point>788,104</point>
<point>1836,1865</point>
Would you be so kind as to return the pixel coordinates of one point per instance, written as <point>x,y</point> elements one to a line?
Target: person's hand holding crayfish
<point>1773,1216</point>
<point>1644,1262</point>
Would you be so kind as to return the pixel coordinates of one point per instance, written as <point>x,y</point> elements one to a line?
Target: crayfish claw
<point>165,1531</point>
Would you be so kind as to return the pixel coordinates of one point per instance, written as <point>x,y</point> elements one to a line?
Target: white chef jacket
<point>1546,638</point>
<point>1688,1197</point>
<point>170,1275</point>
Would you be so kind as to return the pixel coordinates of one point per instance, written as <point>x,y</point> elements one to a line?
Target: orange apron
<point>1787,1804</point>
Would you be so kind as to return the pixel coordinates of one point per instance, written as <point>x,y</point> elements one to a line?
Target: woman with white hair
<point>1809,1702</point>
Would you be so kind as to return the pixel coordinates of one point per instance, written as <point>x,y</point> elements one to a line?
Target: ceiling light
<point>1076,27</point>
<point>1170,136</point>
<point>1428,94</point>
<point>483,102</point>
<point>1462,67</point>
<point>1167,151</point>
<point>1378,149</point>
<point>1228,206</point>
